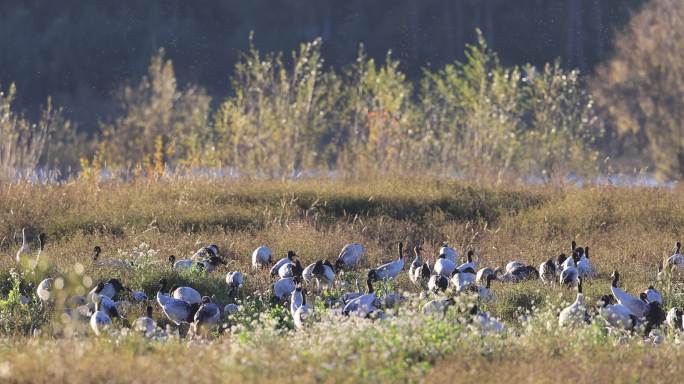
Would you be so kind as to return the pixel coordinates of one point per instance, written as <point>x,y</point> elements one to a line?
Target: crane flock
<point>438,285</point>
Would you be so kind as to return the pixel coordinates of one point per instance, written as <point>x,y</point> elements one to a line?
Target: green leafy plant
<point>21,313</point>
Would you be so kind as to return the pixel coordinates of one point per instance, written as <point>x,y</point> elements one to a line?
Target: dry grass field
<point>629,229</point>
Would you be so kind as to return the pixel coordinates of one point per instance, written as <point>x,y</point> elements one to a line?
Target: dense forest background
<point>80,52</point>
<point>492,89</point>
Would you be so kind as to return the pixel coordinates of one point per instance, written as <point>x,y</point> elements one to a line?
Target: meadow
<point>629,229</point>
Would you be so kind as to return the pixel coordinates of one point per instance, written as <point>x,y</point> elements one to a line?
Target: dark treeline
<point>81,52</point>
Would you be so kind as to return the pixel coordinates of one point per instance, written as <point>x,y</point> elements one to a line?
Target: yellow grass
<point>626,229</point>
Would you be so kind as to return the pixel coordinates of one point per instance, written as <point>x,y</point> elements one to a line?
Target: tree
<point>159,123</point>
<point>23,143</point>
<point>642,86</point>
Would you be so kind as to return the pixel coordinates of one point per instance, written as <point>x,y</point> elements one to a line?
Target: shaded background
<point>80,52</point>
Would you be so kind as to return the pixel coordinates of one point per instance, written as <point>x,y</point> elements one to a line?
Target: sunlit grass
<point>626,229</point>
